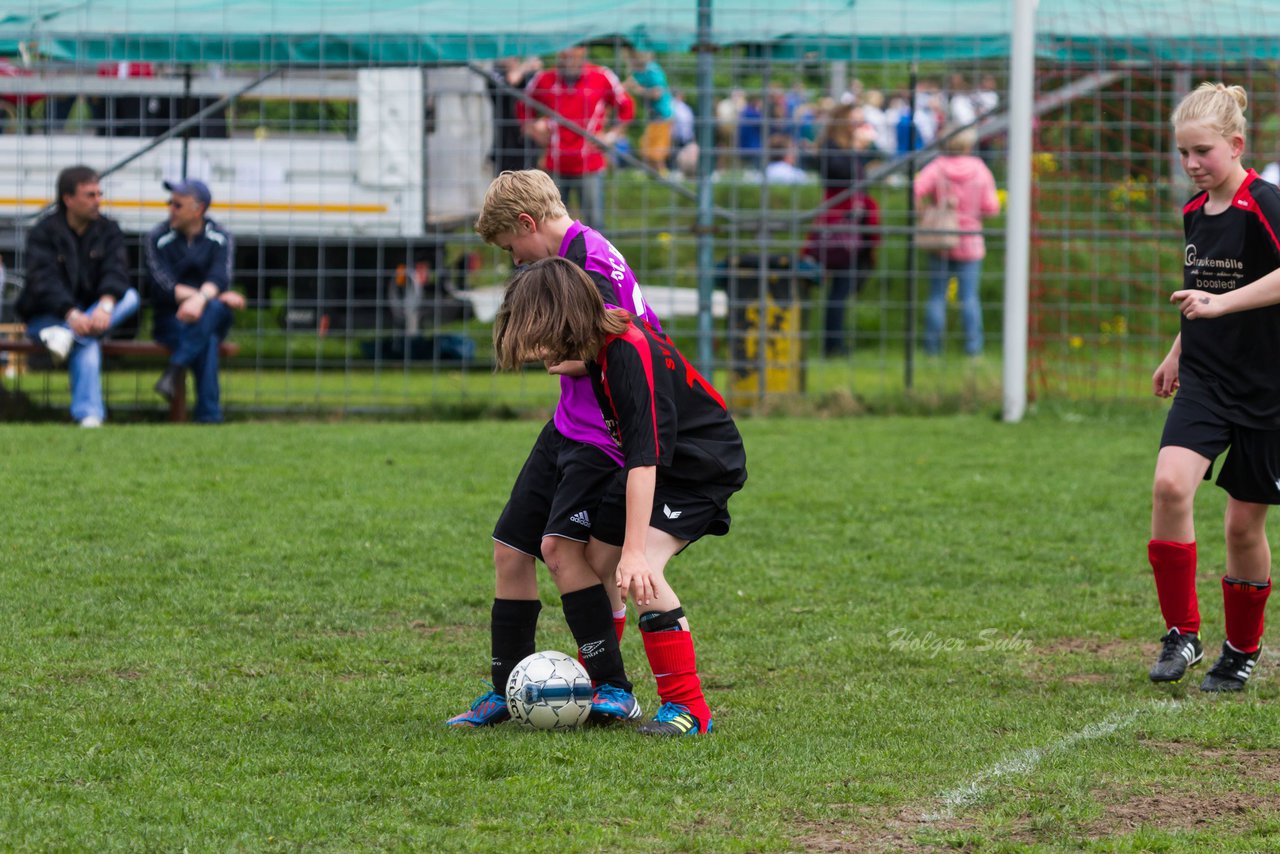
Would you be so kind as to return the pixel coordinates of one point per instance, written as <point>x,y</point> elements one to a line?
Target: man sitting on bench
<point>77,288</point>
<point>189,261</point>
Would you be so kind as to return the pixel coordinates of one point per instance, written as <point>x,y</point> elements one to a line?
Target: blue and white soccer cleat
<point>488,709</point>
<point>672,719</point>
<point>611,703</point>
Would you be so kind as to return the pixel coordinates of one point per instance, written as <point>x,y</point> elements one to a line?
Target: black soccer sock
<point>512,627</point>
<point>590,618</point>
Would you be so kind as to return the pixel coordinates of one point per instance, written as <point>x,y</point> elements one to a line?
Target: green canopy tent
<point>393,32</point>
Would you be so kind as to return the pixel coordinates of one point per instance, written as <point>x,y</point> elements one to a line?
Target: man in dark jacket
<point>77,287</point>
<point>189,262</point>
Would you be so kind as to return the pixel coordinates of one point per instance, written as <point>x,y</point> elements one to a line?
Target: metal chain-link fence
<point>764,198</point>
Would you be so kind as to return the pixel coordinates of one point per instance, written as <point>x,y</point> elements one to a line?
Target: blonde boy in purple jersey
<point>571,466</point>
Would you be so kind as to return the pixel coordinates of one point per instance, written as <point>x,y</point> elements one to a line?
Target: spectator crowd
<point>570,119</point>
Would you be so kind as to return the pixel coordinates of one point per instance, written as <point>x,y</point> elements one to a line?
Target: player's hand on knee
<point>636,578</point>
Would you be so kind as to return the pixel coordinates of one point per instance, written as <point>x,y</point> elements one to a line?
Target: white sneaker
<point>91,421</point>
<point>57,340</point>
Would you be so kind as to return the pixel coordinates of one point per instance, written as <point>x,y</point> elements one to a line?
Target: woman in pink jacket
<point>964,178</point>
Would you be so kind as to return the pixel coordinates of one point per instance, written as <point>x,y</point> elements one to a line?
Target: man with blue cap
<point>189,260</point>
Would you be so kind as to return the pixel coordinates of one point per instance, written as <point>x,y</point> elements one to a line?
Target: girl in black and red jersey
<point>1223,366</point>
<point>683,458</point>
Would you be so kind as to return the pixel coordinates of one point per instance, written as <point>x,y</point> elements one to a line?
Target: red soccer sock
<point>1244,604</point>
<point>1174,565</point>
<point>675,667</point>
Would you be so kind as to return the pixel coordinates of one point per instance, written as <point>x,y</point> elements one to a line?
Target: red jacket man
<point>590,96</point>
<point>585,94</point>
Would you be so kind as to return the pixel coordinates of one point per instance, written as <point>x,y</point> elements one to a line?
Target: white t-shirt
<point>782,172</point>
<point>962,109</point>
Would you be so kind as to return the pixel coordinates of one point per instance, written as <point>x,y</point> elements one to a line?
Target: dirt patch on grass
<point>1047,659</point>
<point>1169,805</point>
<point>1167,809</point>
<point>1262,764</point>
<point>1162,804</point>
<point>1096,647</point>
<point>876,831</point>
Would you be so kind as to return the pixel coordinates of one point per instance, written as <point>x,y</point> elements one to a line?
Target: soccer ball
<point>549,690</point>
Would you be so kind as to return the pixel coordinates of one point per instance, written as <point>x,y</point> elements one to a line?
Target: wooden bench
<point>148,350</point>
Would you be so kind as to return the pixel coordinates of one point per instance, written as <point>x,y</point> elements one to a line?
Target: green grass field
<point>922,633</point>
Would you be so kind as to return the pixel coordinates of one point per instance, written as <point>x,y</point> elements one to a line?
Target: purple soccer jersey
<point>578,412</point>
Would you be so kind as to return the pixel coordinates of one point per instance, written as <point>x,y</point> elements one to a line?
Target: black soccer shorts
<point>684,513</point>
<point>555,494</point>
<point>1251,470</point>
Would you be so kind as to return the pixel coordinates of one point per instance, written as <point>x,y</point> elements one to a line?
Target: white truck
<point>325,219</point>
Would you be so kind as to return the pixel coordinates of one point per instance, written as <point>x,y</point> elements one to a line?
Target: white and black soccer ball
<point>549,690</point>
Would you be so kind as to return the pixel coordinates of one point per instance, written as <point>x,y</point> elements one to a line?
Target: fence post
<point>1017,260</point>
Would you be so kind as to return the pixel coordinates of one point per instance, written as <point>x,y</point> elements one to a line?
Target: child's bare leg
<point>515,574</point>
<point>1248,553</point>
<point>1178,474</point>
<point>604,563</point>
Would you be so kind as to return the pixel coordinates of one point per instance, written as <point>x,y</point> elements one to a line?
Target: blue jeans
<point>195,347</point>
<point>85,361</point>
<point>941,269</point>
<point>589,189</point>
<point>845,281</point>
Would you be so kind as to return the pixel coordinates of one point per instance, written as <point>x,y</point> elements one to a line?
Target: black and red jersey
<point>663,413</point>
<point>1231,364</point>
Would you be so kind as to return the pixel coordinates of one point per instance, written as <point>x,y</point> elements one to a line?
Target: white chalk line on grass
<point>1025,762</point>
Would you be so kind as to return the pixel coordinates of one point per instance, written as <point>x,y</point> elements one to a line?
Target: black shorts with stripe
<point>556,493</point>
<point>1250,471</point>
